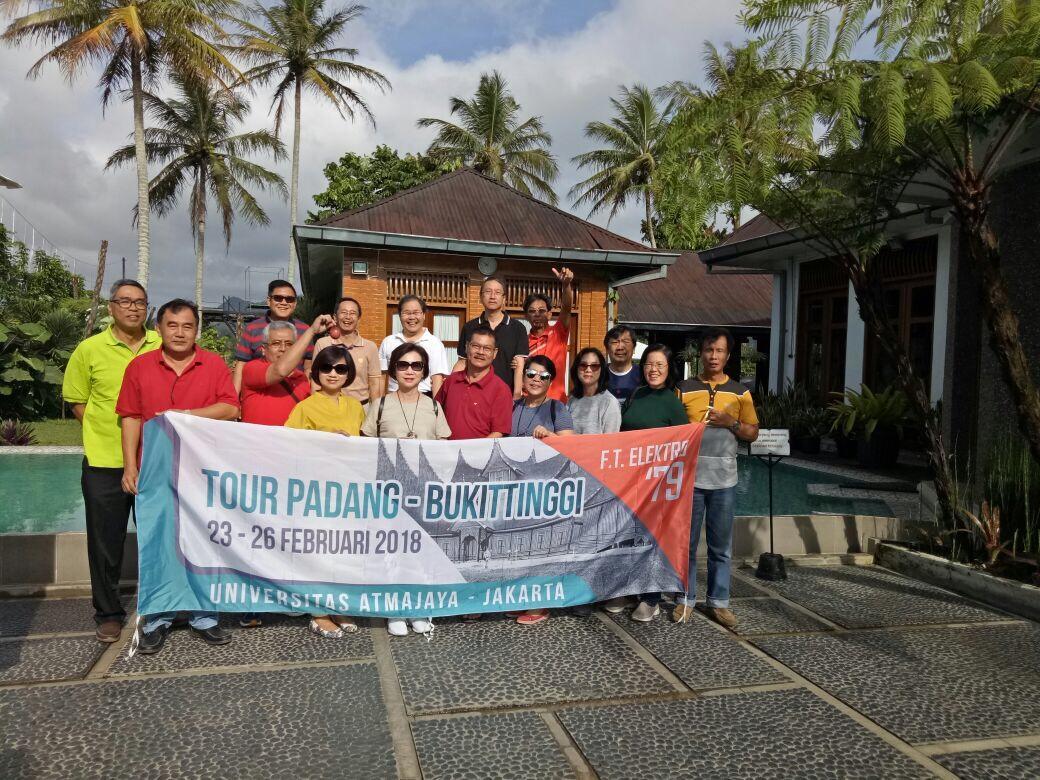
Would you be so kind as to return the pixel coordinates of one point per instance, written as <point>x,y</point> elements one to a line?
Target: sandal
<point>346,624</point>
<point>327,633</point>
<point>533,617</point>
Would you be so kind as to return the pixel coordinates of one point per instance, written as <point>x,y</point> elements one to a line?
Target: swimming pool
<point>41,493</point>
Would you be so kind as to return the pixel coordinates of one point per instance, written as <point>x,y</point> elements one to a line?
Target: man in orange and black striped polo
<point>725,406</point>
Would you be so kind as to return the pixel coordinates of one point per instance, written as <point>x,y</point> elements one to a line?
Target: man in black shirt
<point>510,334</point>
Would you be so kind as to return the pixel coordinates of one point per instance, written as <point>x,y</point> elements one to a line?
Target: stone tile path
<point>840,672</point>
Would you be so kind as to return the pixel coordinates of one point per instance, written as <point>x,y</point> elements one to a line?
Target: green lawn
<point>59,432</point>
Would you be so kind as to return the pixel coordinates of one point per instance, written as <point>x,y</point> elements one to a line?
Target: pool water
<point>41,493</point>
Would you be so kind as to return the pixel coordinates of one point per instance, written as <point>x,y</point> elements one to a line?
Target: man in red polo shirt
<point>176,377</point>
<point>477,404</point>
<point>273,385</point>
<point>551,339</point>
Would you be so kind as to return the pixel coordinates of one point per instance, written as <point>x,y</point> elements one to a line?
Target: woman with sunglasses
<point>539,416</point>
<point>654,404</point>
<point>331,411</point>
<point>406,413</point>
<point>593,409</point>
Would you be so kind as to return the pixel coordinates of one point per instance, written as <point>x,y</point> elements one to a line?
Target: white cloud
<point>55,139</point>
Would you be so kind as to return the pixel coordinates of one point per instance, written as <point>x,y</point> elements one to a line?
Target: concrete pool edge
<point>31,564</point>
<point>41,449</point>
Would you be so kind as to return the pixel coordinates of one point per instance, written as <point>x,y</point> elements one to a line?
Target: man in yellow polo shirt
<point>92,381</point>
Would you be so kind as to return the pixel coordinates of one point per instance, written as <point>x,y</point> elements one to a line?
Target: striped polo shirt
<point>252,338</point>
<point>717,462</point>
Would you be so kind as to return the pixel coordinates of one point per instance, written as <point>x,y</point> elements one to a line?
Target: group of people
<point>508,380</point>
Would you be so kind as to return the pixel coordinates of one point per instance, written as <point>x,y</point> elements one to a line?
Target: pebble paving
<point>768,616</point>
<point>511,746</point>
<point>311,723</point>
<point>1010,763</point>
<point>21,617</point>
<point>928,685</point>
<point>497,663</point>
<point>781,734</point>
<point>36,660</point>
<point>277,641</point>
<point>869,597</point>
<point>697,653</point>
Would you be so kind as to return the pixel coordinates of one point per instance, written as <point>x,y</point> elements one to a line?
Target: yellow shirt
<point>321,413</point>
<point>93,377</point>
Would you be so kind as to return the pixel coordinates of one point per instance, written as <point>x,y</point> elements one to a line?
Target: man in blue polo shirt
<point>281,304</point>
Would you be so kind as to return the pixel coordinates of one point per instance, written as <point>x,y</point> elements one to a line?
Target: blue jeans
<point>715,506</point>
<point>199,620</point>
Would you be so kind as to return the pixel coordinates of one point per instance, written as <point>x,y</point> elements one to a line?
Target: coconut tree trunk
<point>648,203</point>
<point>143,210</point>
<point>872,310</point>
<point>200,253</point>
<point>294,185</point>
<point>999,313</point>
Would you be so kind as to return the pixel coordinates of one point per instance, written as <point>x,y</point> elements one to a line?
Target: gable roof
<point>689,295</point>
<point>467,205</point>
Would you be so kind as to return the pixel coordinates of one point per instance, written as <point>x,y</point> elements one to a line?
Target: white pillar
<point>855,333</point>
<point>941,313</point>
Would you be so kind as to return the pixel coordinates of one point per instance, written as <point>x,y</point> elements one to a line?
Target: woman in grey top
<point>593,409</point>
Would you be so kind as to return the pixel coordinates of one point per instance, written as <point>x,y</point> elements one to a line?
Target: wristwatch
<point>735,427</point>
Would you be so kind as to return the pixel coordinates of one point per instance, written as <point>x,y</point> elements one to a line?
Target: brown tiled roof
<point>467,205</point>
<point>756,227</point>
<point>690,295</point>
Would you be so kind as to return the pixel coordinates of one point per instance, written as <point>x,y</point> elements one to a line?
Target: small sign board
<point>772,441</point>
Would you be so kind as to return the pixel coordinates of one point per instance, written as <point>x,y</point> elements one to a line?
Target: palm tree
<point>193,137</point>
<point>634,140</point>
<point>492,140</point>
<point>134,41</point>
<point>294,42</point>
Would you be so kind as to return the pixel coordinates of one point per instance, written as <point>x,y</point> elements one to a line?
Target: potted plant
<point>808,426</point>
<point>845,425</point>
<point>880,418</point>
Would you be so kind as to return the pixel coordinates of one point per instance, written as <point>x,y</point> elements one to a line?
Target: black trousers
<point>108,511</point>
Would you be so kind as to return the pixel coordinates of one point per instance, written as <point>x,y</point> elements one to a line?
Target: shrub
<point>14,433</point>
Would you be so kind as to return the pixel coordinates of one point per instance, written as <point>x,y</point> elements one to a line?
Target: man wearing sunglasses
<point>91,385</point>
<point>281,304</point>
<point>550,339</point>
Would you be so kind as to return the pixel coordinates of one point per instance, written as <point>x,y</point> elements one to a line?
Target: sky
<point>563,59</point>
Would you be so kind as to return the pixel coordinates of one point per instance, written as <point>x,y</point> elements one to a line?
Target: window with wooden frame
<point>823,305</point>
<point>908,289</point>
<point>444,293</point>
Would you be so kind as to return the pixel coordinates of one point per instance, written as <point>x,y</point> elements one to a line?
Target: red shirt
<point>475,409</point>
<point>552,342</point>
<point>151,387</point>
<point>264,404</point>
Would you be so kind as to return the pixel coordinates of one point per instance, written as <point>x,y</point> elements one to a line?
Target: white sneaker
<point>397,627</point>
<point>421,626</point>
<point>645,612</point>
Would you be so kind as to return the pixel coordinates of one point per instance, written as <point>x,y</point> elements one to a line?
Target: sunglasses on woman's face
<point>543,375</point>
<point>588,366</point>
<point>339,368</point>
<point>415,365</point>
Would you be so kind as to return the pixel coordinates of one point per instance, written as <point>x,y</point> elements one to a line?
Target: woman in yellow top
<point>330,411</point>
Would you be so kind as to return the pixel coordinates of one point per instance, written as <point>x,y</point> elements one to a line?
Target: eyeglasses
<point>404,365</point>
<point>283,298</point>
<point>657,366</point>
<point>589,366</point>
<point>481,348</point>
<point>339,368</point>
<point>130,303</point>
<point>543,375</point>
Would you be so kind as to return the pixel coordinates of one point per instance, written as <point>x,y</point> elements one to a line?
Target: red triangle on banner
<point>652,472</point>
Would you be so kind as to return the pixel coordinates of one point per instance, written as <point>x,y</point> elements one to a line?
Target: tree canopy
<point>357,180</point>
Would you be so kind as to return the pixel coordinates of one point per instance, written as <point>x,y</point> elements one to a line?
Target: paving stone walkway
<point>840,672</point>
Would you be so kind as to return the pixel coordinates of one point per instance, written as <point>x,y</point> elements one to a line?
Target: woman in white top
<point>406,413</point>
<point>412,311</point>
